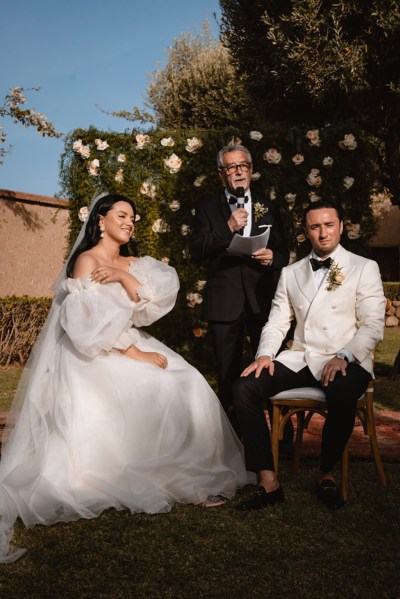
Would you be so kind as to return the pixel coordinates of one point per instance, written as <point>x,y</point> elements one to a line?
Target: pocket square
<point>263,226</point>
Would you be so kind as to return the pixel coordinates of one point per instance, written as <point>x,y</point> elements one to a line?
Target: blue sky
<point>82,53</point>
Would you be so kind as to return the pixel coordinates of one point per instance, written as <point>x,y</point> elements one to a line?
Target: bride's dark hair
<point>92,231</point>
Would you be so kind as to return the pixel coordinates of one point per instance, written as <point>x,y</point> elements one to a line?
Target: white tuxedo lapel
<point>306,281</point>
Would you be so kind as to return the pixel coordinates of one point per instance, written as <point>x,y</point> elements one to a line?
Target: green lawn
<point>297,550</point>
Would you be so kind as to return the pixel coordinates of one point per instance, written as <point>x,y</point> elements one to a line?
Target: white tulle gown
<point>113,431</point>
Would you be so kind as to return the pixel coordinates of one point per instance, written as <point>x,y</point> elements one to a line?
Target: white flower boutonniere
<point>259,210</point>
<point>335,277</point>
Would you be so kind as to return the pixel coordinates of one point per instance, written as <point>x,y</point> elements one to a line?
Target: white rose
<point>101,145</point>
<point>193,144</point>
<point>121,158</point>
<point>348,142</point>
<point>353,231</point>
<point>160,226</point>
<point>198,182</point>
<point>92,168</point>
<point>119,177</point>
<point>174,205</point>
<point>167,142</point>
<point>348,182</point>
<point>290,198</point>
<point>148,189</point>
<point>185,230</point>
<point>85,151</point>
<point>77,145</point>
<point>314,178</point>
<point>142,140</point>
<point>313,136</point>
<point>193,299</point>
<point>200,285</point>
<point>272,156</point>
<point>83,213</point>
<point>327,161</point>
<point>313,196</point>
<point>297,159</point>
<point>173,163</point>
<point>255,176</point>
<point>256,135</point>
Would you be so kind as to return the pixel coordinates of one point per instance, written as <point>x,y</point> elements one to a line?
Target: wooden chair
<point>310,400</point>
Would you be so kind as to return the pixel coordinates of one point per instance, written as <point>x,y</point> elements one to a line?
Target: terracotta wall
<point>33,242</point>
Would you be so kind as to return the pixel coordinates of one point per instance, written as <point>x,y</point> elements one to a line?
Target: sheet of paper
<point>248,245</point>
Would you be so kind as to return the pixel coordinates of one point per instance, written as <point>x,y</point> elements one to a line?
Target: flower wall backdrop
<point>167,172</point>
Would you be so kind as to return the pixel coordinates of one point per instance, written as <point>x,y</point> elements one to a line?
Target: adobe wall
<point>33,242</point>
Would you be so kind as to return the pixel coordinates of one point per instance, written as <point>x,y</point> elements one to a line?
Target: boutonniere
<point>259,210</point>
<point>335,276</point>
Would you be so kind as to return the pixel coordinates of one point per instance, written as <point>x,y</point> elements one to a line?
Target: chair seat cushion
<point>301,393</point>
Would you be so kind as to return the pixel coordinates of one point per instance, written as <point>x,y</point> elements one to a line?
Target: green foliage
<point>21,320</point>
<point>165,201</point>
<point>317,62</point>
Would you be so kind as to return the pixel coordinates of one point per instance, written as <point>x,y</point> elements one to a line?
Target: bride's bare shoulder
<point>85,264</point>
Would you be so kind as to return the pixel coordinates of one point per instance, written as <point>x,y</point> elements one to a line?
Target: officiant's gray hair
<point>232,148</point>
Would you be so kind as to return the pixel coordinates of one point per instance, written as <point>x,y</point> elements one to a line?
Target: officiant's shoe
<point>329,493</point>
<point>261,499</point>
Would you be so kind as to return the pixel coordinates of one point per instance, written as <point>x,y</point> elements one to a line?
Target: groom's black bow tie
<point>233,200</point>
<point>316,264</point>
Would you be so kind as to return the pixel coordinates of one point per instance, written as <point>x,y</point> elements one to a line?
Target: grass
<point>295,550</point>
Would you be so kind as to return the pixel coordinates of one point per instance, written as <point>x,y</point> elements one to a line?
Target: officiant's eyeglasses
<point>231,168</point>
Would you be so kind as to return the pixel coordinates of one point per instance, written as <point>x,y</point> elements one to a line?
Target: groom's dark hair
<point>322,204</point>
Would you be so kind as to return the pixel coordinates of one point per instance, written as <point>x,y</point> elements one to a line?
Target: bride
<point>105,415</point>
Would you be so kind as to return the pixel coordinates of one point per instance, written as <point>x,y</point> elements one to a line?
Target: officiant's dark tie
<point>317,264</point>
<point>233,200</point>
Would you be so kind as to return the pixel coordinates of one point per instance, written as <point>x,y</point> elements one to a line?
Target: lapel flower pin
<point>259,210</point>
<point>335,277</point>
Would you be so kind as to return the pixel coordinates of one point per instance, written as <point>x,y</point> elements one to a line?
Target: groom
<point>239,288</point>
<point>337,301</point>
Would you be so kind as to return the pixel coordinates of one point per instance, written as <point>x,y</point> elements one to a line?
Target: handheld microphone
<point>240,203</point>
<point>240,197</point>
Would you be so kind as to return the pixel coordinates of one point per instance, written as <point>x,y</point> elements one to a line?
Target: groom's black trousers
<point>251,396</point>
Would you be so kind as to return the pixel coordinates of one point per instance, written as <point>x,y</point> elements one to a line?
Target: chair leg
<point>276,418</point>
<point>345,473</point>
<point>374,444</point>
<point>298,442</point>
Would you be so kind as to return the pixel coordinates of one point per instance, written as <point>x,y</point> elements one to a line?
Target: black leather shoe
<point>261,499</point>
<point>329,493</point>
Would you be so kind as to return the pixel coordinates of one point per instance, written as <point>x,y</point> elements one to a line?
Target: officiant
<point>240,287</point>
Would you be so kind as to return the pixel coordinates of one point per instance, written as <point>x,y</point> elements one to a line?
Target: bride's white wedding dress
<point>99,429</point>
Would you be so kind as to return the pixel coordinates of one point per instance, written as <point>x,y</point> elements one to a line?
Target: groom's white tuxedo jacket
<point>350,316</point>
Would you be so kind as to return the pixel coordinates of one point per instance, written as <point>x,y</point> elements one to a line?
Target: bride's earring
<point>102,229</point>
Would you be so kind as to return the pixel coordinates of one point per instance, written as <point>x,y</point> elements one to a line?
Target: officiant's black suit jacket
<point>233,279</point>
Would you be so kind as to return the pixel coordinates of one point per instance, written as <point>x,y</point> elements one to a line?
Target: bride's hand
<point>150,357</point>
<point>107,274</point>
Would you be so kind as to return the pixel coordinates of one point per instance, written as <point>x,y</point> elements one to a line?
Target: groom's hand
<point>258,366</point>
<point>331,368</point>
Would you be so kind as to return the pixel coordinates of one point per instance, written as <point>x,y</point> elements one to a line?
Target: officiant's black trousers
<point>251,396</point>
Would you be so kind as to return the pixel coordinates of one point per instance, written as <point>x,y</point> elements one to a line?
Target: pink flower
<point>272,156</point>
<point>297,159</point>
